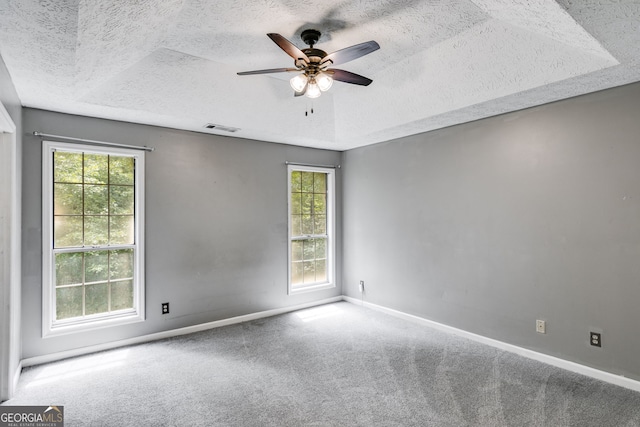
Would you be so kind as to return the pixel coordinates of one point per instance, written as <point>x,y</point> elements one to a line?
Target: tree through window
<point>93,255</point>
<point>310,227</point>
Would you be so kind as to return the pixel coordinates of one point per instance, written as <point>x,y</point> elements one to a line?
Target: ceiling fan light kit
<point>298,82</point>
<point>313,91</point>
<point>324,82</point>
<point>313,64</point>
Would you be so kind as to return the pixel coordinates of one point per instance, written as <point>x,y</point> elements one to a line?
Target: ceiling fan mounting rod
<point>310,37</point>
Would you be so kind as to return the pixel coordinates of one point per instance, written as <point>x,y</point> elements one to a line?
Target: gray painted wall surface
<point>10,329</point>
<point>490,225</point>
<point>216,226</point>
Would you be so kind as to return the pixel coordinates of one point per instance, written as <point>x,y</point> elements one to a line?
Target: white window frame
<point>331,241</point>
<point>50,326</point>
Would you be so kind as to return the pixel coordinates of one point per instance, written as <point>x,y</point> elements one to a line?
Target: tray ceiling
<point>173,63</point>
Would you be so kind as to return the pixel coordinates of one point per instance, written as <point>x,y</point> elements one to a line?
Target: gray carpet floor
<point>334,365</point>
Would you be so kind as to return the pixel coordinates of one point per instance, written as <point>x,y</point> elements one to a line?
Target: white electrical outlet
<point>361,286</point>
<point>541,326</point>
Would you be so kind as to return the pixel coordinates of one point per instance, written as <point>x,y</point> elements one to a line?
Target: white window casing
<point>328,236</point>
<point>50,325</point>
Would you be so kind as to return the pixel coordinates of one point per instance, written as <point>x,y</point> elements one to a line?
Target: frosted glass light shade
<point>313,91</point>
<point>324,82</point>
<point>298,82</point>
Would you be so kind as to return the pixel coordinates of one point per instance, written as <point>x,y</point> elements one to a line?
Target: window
<point>92,237</point>
<point>311,228</point>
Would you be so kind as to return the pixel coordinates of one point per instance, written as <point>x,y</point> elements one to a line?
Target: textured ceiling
<point>173,63</point>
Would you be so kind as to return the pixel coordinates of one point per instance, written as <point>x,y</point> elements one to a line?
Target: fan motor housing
<point>314,53</point>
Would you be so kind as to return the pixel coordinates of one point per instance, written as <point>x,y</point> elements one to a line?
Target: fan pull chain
<point>306,111</point>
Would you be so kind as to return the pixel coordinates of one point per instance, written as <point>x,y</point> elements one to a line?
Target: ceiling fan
<point>313,64</point>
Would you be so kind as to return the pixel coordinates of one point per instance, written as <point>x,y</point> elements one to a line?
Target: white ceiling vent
<point>220,127</point>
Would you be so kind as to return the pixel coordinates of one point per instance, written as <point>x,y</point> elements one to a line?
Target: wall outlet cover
<point>595,339</point>
<point>541,326</point>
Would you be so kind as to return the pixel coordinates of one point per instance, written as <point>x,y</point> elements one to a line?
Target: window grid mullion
<point>109,231</point>
<point>109,198</point>
<point>83,202</point>
<point>84,280</point>
<point>310,236</point>
<point>108,277</point>
<point>84,258</point>
<point>92,248</point>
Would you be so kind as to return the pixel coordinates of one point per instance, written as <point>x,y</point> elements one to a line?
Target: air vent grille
<point>221,127</point>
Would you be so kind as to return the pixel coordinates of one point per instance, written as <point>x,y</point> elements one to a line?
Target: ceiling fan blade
<point>348,77</point>
<point>288,47</point>
<point>350,53</point>
<point>268,71</point>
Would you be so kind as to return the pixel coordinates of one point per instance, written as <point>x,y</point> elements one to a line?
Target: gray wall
<point>490,225</point>
<point>216,226</point>
<point>10,238</point>
<point>485,226</point>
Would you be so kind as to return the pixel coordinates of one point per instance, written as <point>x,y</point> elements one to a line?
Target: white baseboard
<point>550,360</point>
<point>618,380</point>
<point>37,360</point>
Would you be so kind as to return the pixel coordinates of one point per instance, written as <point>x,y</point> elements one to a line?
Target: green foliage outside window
<point>94,206</point>
<point>308,227</point>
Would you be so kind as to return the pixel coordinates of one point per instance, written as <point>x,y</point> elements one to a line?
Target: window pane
<point>296,273</point>
<point>121,264</point>
<point>307,182</point>
<point>309,272</point>
<point>296,205</point>
<point>296,225</point>
<point>121,230</point>
<point>97,298</point>
<point>96,266</point>
<point>96,168</point>
<point>95,200</point>
<point>121,295</point>
<point>321,248</point>
<point>68,302</point>
<point>67,231</point>
<point>68,268</point>
<point>296,250</point>
<point>307,201</point>
<point>319,204</point>
<point>309,250</point>
<point>319,224</point>
<point>67,167</point>
<point>296,183</point>
<point>120,200</point>
<point>121,170</point>
<point>307,224</point>
<point>96,230</point>
<point>321,270</point>
<point>319,182</point>
<point>67,199</point>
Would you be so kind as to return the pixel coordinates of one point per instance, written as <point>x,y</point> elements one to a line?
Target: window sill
<point>310,288</point>
<point>91,325</point>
